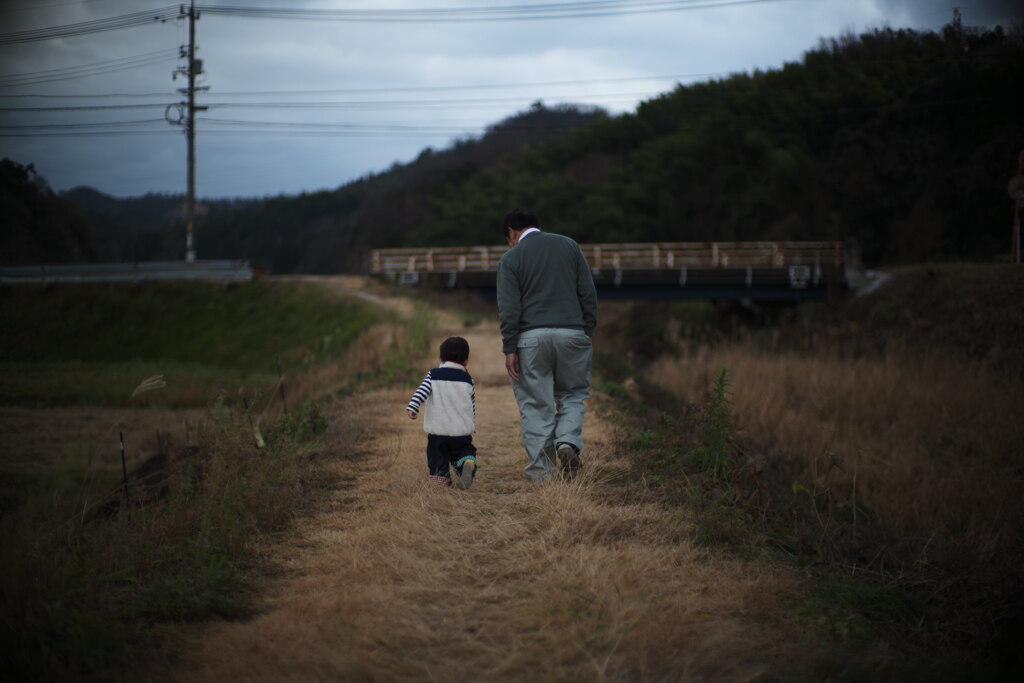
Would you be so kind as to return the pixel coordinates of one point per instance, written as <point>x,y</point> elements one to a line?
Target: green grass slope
<point>77,344</point>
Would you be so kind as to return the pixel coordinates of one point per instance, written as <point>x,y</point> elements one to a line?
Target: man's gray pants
<point>554,381</point>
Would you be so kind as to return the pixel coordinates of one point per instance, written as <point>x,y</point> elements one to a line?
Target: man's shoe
<point>569,457</point>
<point>466,473</point>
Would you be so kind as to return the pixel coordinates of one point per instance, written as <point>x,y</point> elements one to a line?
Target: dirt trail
<point>397,579</point>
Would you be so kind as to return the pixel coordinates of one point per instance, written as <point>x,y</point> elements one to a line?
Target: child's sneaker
<point>466,467</point>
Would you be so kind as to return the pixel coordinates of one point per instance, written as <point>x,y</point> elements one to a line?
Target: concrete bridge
<point>754,271</point>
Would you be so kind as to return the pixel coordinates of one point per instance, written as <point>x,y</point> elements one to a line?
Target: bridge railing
<point>637,256</point>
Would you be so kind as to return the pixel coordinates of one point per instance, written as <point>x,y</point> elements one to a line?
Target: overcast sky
<point>307,103</point>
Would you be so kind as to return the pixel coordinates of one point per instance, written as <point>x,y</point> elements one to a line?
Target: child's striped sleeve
<point>420,395</point>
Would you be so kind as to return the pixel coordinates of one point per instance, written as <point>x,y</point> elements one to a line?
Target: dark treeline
<point>898,141</point>
<point>144,228</point>
<point>37,226</point>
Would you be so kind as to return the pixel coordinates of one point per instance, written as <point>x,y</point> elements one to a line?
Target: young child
<point>448,397</point>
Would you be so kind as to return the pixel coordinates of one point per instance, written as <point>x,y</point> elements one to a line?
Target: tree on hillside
<point>38,227</point>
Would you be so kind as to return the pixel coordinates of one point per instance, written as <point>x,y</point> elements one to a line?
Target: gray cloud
<point>278,58</point>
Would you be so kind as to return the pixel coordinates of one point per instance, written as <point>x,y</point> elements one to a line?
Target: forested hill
<point>903,142</point>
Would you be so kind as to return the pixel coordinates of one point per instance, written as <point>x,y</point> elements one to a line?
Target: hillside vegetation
<point>92,344</point>
<point>876,440</point>
<point>899,142</point>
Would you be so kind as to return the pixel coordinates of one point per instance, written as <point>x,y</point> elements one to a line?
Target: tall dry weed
<point>931,445</point>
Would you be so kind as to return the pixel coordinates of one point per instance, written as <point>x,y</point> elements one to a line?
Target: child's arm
<point>418,397</point>
<point>472,399</point>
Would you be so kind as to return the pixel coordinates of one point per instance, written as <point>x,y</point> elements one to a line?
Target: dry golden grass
<point>929,443</point>
<point>396,579</point>
<point>35,440</point>
<point>362,356</point>
<point>370,358</point>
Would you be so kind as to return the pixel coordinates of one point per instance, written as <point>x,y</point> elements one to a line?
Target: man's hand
<point>412,415</point>
<point>512,365</point>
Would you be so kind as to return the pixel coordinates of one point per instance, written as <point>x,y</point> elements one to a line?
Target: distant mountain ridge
<point>897,141</point>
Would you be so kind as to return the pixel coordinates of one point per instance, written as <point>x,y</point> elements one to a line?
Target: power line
<point>80,126</point>
<point>495,13</point>
<point>482,86</point>
<point>386,89</point>
<point>82,28</point>
<point>35,5</point>
<point>84,107</point>
<point>345,126</point>
<point>109,95</point>
<point>163,132</point>
<point>82,70</point>
<point>266,128</point>
<point>439,134</point>
<point>563,10</point>
<point>217,126</point>
<point>340,104</point>
<point>433,102</point>
<point>212,124</point>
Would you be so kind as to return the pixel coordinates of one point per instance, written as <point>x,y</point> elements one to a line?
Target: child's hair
<point>454,349</point>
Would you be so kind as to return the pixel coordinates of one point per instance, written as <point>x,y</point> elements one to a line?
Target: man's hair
<point>454,349</point>
<point>519,219</point>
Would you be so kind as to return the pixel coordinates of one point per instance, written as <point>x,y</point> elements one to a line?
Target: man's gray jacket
<point>544,281</point>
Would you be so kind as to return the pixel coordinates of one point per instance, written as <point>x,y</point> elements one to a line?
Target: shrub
<point>715,455</point>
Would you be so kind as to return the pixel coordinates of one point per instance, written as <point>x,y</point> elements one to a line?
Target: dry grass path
<point>396,579</point>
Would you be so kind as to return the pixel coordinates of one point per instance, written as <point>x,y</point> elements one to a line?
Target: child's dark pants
<point>443,451</point>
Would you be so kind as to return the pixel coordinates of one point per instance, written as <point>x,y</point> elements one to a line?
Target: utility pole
<point>186,115</point>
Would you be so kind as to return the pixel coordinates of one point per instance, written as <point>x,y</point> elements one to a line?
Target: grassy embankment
<point>92,568</point>
<point>876,444</point>
<point>91,344</point>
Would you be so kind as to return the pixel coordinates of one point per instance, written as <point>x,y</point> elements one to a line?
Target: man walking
<point>547,307</point>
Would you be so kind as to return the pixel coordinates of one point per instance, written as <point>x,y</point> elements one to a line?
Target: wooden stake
<point>280,379</point>
<point>124,469</point>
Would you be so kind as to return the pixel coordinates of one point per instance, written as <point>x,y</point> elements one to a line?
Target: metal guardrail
<point>237,271</point>
<point>639,256</point>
